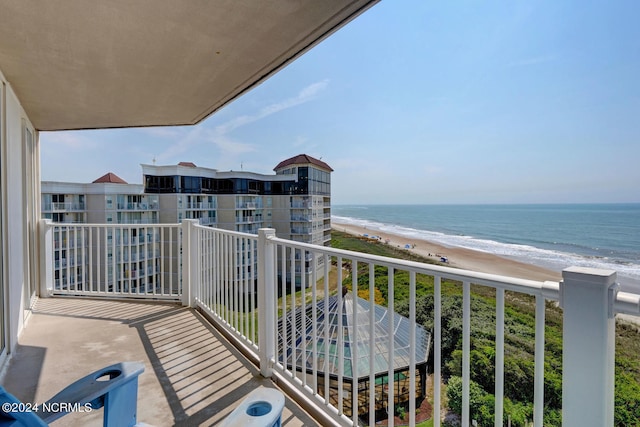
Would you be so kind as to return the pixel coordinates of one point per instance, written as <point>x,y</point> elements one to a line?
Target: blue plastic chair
<point>115,388</point>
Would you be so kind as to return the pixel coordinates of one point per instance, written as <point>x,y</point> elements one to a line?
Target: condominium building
<point>132,251</point>
<point>295,201</point>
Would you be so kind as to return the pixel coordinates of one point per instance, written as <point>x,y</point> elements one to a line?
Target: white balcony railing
<point>216,292</point>
<point>262,291</point>
<point>106,249</point>
<point>207,221</point>
<point>64,206</point>
<point>201,205</point>
<point>143,206</point>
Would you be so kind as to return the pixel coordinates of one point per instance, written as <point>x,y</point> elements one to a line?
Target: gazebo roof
<point>329,340</point>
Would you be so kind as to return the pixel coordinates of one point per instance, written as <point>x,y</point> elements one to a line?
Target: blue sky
<point>425,102</point>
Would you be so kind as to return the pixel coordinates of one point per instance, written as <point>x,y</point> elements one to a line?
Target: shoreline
<point>463,258</point>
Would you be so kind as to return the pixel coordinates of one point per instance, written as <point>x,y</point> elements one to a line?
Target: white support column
<point>46,258</point>
<point>587,296</point>
<point>266,300</point>
<point>190,262</point>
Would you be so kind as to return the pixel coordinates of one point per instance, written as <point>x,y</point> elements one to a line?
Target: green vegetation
<point>519,342</point>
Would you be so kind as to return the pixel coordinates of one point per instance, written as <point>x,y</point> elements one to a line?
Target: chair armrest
<point>119,381</point>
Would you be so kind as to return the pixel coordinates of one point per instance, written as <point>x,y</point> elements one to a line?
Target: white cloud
<point>230,147</point>
<point>219,136</point>
<point>313,89</point>
<point>305,95</point>
<point>185,143</point>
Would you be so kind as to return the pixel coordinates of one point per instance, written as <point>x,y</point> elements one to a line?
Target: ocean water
<point>552,236</point>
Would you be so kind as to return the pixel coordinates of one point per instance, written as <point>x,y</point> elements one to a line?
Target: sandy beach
<point>458,257</point>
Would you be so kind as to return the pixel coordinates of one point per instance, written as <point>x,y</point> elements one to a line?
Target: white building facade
<point>132,252</point>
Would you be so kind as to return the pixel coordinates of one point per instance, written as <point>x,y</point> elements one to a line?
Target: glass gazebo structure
<point>347,348</point>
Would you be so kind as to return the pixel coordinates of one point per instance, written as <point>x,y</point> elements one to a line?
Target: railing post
<point>190,262</point>
<point>46,258</point>
<point>587,296</point>
<point>266,300</point>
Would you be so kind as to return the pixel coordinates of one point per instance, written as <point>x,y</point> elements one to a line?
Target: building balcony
<point>300,205</point>
<point>63,207</point>
<point>249,219</point>
<point>210,221</point>
<point>304,231</point>
<point>206,283</point>
<point>249,205</point>
<point>137,206</point>
<point>201,206</point>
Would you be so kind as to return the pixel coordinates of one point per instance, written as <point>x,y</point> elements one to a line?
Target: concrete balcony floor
<point>192,377</point>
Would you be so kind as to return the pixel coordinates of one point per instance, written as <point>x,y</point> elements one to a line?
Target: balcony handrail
<point>105,251</point>
<point>548,289</point>
<point>627,303</point>
<point>113,225</point>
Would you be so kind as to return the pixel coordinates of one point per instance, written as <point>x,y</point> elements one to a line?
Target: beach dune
<point>467,259</point>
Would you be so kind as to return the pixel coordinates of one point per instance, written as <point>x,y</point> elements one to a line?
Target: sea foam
<point>555,260</point>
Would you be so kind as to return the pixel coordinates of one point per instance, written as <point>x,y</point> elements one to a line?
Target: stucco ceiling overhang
<point>82,64</point>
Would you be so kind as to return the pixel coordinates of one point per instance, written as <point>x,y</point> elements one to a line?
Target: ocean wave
<point>548,258</point>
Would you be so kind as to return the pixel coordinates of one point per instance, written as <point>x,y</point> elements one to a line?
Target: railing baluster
<point>244,324</point>
<point>538,388</point>
<point>202,254</point>
<point>216,263</point>
<point>437,349</point>
<point>391,349</point>
<point>354,342</point>
<point>66,259</point>
<point>235,262</point>
<point>314,322</point>
<point>204,296</point>
<point>340,334</point>
<point>466,347</point>
<point>77,253</point>
<point>254,306</point>
<point>145,264</point>
<point>226,282</point>
<point>163,237</point>
<point>499,368</point>
<point>105,246</point>
<point>412,348</point>
<point>328,362</point>
<point>372,346</point>
<point>81,264</point>
<point>98,233</point>
<point>114,255</point>
<point>129,262</point>
<point>213,284</point>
